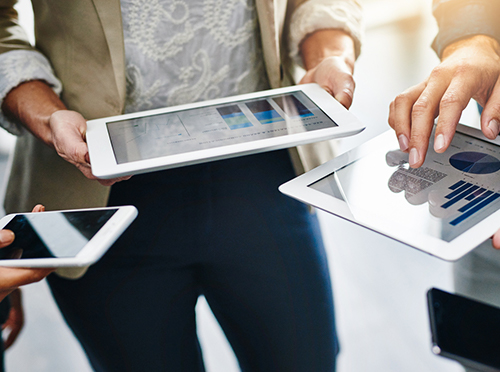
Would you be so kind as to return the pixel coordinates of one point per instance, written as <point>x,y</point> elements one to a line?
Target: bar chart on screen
<point>477,198</point>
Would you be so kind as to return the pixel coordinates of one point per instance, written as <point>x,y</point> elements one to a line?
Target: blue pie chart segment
<point>475,162</point>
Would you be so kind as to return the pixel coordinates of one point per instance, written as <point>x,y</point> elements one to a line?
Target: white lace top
<point>183,51</point>
<point>180,51</point>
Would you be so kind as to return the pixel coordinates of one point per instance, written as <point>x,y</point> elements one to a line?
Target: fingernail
<point>413,158</point>
<point>403,142</point>
<point>6,236</point>
<point>439,142</point>
<point>494,126</point>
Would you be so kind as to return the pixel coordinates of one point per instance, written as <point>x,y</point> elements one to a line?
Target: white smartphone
<point>68,238</point>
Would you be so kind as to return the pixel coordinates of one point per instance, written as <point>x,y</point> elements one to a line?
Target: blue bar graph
<point>476,201</point>
<point>264,112</point>
<point>292,106</point>
<point>476,198</point>
<point>460,196</point>
<point>234,117</point>
<point>458,190</point>
<point>475,194</point>
<point>475,209</point>
<point>457,185</point>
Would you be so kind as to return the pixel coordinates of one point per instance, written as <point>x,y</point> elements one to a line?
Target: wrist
<point>483,42</point>
<point>327,43</point>
<point>15,297</point>
<point>32,103</point>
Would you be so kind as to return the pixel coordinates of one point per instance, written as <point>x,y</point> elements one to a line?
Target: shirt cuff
<point>459,19</point>
<point>318,15</point>
<point>17,67</point>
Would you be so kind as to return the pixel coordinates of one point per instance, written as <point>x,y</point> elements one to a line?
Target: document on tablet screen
<point>213,126</point>
<point>446,196</point>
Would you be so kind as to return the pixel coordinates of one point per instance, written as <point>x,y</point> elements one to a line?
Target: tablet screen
<point>53,234</point>
<point>447,195</point>
<point>214,126</point>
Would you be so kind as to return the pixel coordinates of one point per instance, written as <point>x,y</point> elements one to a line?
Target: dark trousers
<point>223,230</point>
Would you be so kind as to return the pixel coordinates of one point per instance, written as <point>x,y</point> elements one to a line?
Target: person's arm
<point>10,281</point>
<point>15,321</point>
<point>461,19</point>
<point>325,39</point>
<point>468,45</point>
<point>470,69</point>
<point>328,57</point>
<point>12,278</point>
<point>38,108</point>
<point>29,96</point>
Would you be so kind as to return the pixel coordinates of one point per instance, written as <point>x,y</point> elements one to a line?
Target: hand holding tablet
<point>12,278</point>
<point>217,129</point>
<point>446,207</point>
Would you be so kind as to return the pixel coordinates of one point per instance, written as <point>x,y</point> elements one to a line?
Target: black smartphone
<point>465,330</point>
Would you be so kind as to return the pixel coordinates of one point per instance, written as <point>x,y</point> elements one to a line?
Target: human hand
<point>68,129</point>
<point>15,322</point>
<point>40,110</point>
<point>13,277</point>
<point>470,69</point>
<point>495,239</point>
<point>328,57</point>
<point>334,75</point>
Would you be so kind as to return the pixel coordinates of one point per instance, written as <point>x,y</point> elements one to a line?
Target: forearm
<point>327,43</point>
<point>38,108</point>
<point>486,44</point>
<point>32,103</point>
<point>328,56</point>
<point>461,19</point>
<point>315,15</point>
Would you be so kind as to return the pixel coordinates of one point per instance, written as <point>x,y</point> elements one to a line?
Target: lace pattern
<point>180,51</point>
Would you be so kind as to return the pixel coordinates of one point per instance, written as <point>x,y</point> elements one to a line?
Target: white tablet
<point>70,238</point>
<point>211,130</point>
<point>446,207</point>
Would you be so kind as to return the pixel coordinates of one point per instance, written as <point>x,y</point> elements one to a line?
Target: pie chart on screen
<point>475,162</point>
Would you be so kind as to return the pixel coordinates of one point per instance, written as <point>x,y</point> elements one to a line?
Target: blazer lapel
<point>266,10</point>
<point>109,12</point>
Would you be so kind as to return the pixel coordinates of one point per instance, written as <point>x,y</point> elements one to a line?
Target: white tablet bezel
<point>299,189</point>
<point>104,164</point>
<point>91,252</point>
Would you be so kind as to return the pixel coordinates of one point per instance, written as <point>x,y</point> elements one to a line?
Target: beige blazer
<point>83,39</point>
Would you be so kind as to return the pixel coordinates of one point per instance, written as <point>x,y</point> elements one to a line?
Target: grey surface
<point>379,284</point>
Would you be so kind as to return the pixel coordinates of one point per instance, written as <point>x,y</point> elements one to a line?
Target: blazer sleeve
<point>459,19</point>
<point>12,35</point>
<point>19,61</point>
<point>314,15</point>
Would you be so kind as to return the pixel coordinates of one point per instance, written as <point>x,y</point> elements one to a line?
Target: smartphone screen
<point>53,234</point>
<point>465,328</point>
